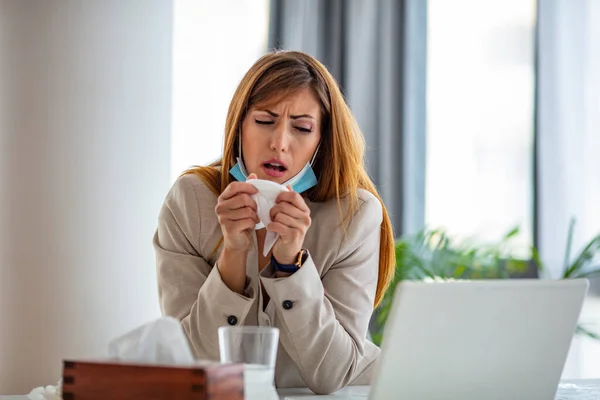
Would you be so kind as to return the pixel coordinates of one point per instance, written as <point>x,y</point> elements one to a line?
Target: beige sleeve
<point>325,329</point>
<point>188,287</point>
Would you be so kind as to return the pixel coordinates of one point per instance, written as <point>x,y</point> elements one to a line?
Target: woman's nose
<point>280,139</point>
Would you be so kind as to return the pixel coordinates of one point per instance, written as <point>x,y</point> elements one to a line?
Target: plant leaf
<point>512,233</point>
<point>459,271</point>
<point>569,244</point>
<point>582,331</point>
<point>588,253</point>
<point>537,261</point>
<point>377,338</point>
<point>514,265</point>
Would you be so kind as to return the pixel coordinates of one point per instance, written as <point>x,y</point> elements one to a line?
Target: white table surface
<point>585,389</point>
<point>351,392</point>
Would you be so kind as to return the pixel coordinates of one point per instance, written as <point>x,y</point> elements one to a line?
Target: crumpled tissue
<point>46,393</point>
<point>265,200</point>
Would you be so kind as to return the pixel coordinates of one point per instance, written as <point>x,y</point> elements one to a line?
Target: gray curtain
<point>377,52</point>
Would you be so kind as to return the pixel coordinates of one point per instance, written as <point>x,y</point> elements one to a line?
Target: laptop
<point>488,339</point>
<point>498,339</point>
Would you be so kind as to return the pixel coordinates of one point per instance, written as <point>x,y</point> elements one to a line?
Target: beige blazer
<point>323,341</point>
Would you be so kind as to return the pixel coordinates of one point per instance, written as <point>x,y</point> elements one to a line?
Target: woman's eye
<point>263,122</point>
<point>305,130</point>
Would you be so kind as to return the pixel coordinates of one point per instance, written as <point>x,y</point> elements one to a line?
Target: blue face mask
<point>301,182</point>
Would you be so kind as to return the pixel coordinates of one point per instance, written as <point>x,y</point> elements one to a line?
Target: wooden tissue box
<point>110,380</point>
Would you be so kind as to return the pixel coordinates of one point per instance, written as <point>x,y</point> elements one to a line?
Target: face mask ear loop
<point>312,161</point>
<point>239,159</point>
<point>240,144</point>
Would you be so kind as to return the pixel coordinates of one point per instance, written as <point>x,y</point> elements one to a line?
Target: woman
<point>329,268</point>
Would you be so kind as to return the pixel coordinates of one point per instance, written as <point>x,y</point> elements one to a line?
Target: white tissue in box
<point>158,342</point>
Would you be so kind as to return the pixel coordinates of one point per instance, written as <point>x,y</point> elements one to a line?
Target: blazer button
<point>232,320</point>
<point>287,304</point>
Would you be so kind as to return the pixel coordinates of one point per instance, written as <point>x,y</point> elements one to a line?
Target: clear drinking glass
<point>254,346</point>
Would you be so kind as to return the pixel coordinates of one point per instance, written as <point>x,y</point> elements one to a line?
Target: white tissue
<point>265,200</point>
<point>46,393</point>
<point>158,342</point>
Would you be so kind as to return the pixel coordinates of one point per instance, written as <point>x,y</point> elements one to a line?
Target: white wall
<point>85,112</point>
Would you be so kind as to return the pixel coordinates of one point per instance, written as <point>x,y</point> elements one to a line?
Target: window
<point>480,113</point>
<point>214,44</point>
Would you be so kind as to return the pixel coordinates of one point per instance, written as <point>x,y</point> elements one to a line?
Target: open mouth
<point>275,167</point>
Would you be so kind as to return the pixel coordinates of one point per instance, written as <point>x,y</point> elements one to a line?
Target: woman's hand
<point>236,211</point>
<point>290,218</point>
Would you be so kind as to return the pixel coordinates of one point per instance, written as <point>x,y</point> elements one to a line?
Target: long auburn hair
<point>339,165</point>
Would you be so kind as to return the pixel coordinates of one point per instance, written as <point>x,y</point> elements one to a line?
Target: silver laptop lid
<point>492,339</point>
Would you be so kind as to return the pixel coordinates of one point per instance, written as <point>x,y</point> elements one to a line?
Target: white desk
<point>568,390</point>
<point>351,392</point>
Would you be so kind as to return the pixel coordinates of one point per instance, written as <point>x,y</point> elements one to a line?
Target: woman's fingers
<point>236,188</point>
<point>242,213</point>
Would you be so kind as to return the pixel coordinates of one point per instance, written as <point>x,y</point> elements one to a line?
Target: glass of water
<point>254,346</point>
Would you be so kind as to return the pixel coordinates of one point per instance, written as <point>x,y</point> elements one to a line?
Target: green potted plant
<point>432,254</point>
